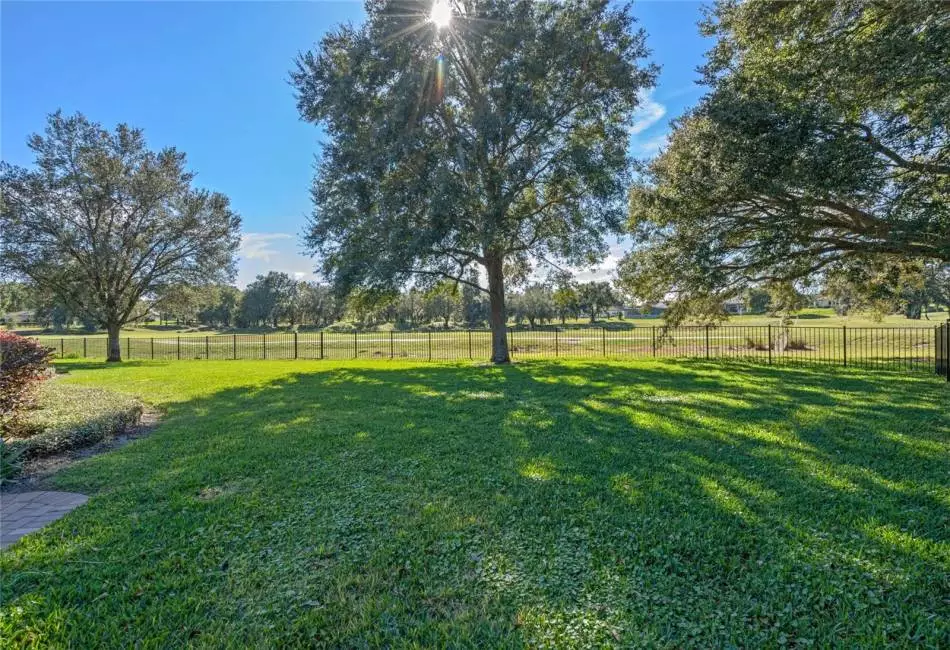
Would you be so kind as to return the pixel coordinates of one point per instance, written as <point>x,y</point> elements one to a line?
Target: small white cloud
<point>259,246</point>
<point>605,271</point>
<point>648,113</point>
<point>651,146</point>
<point>272,251</point>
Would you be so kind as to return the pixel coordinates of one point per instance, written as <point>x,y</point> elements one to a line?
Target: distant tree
<point>179,301</point>
<point>367,308</point>
<point>535,304</point>
<point>318,304</point>
<point>824,143</point>
<point>757,300</point>
<point>410,307</point>
<point>475,305</point>
<point>566,301</point>
<point>268,299</point>
<point>15,296</point>
<point>497,139</point>
<point>886,288</point>
<point>101,221</point>
<point>221,308</point>
<point>595,297</point>
<point>443,302</point>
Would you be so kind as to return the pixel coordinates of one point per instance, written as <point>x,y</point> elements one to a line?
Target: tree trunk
<point>498,317</point>
<point>115,346</point>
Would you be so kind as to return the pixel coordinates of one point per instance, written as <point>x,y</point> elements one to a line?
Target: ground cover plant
<point>68,416</point>
<point>404,504</point>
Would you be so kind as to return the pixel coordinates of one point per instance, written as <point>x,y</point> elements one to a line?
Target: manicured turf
<point>360,504</point>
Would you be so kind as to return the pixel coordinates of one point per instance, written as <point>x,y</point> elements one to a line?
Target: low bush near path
<point>70,416</point>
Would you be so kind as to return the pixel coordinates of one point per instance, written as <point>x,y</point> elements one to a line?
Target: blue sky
<point>210,78</point>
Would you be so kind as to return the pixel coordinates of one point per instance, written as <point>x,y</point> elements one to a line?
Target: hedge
<point>71,416</point>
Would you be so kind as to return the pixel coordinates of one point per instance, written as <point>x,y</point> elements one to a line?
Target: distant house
<point>823,302</point>
<point>16,318</point>
<point>734,306</point>
<point>645,311</point>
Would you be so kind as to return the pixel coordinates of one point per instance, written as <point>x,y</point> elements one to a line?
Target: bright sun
<point>441,14</point>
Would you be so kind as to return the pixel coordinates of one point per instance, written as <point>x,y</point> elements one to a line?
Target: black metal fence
<point>921,349</point>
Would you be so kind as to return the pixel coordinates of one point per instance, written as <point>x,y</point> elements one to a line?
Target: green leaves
<point>823,142</point>
<point>498,138</point>
<point>101,221</point>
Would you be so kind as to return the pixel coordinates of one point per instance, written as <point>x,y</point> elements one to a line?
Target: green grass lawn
<point>586,504</point>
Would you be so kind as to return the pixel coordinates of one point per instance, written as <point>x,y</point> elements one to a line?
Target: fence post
<point>603,341</point>
<point>770,343</point>
<point>430,345</point>
<point>128,347</point>
<point>356,350</point>
<point>295,345</point>
<point>265,345</point>
<point>946,348</point>
<point>84,355</point>
<point>654,339</point>
<point>942,349</point>
<point>178,348</point>
<point>707,341</point>
<point>62,348</point>
<point>844,339</point>
<point>207,348</point>
<point>470,355</point>
<point>234,346</point>
<point>392,345</point>
<point>151,346</point>
<point>556,349</point>
<point>321,344</point>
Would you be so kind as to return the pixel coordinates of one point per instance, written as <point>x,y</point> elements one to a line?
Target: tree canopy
<point>102,221</point>
<point>495,140</point>
<point>822,145</point>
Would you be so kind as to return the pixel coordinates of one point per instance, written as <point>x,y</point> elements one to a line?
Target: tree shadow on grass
<point>564,504</point>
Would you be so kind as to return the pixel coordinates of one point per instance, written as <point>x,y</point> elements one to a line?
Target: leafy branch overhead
<point>822,144</point>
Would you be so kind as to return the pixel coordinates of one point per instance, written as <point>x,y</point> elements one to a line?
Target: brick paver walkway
<point>24,512</point>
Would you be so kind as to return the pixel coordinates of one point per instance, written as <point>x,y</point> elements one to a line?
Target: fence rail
<point>897,348</point>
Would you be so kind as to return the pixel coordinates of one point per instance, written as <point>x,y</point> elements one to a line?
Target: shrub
<point>11,461</point>
<point>752,344</point>
<point>23,364</point>
<point>71,416</point>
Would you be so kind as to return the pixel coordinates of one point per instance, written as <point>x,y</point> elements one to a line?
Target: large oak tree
<point>494,138</point>
<point>101,221</point>
<point>821,147</point>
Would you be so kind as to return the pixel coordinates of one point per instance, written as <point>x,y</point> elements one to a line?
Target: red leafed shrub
<point>23,364</point>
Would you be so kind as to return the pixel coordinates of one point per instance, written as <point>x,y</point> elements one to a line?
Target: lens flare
<point>441,14</point>
<point>439,77</point>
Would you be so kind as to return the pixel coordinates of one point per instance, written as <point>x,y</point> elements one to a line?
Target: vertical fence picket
<point>844,343</point>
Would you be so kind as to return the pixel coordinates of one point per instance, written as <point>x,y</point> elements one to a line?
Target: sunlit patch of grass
<point>538,469</point>
<point>571,504</point>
